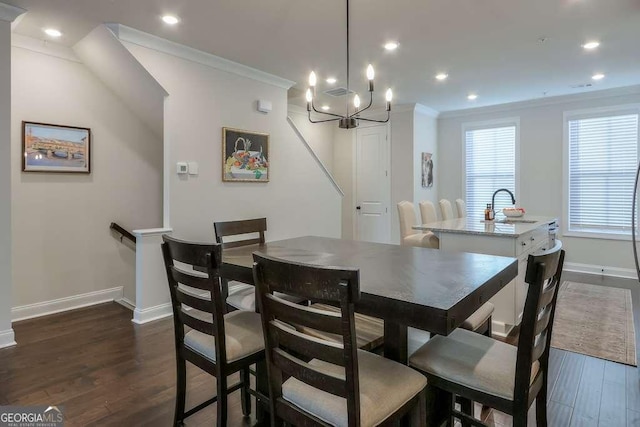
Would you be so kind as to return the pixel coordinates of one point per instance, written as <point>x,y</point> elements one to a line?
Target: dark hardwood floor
<point>105,370</point>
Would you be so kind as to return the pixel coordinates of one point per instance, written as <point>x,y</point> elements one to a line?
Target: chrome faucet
<point>493,199</point>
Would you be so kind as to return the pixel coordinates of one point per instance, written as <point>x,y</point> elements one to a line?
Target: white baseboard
<point>601,270</point>
<point>7,338</point>
<point>142,316</point>
<point>500,329</point>
<point>126,302</point>
<point>64,304</point>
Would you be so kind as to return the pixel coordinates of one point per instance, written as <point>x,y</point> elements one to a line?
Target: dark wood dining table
<point>405,286</point>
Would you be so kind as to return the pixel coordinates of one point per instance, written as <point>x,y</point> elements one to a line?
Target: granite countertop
<point>489,228</point>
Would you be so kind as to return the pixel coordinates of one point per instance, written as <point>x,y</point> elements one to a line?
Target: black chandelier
<point>347,121</point>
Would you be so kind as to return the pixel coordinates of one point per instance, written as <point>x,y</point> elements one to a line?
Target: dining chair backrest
<point>446,210</point>
<point>428,212</point>
<point>287,349</point>
<point>407,217</point>
<point>202,311</point>
<point>543,276</point>
<point>238,228</point>
<point>461,206</point>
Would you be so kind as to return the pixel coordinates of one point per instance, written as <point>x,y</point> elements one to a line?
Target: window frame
<point>588,113</point>
<point>489,124</point>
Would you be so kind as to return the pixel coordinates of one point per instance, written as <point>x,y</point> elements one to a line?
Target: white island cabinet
<point>517,238</point>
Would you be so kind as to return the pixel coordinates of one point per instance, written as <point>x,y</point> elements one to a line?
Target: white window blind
<point>603,156</point>
<point>490,165</point>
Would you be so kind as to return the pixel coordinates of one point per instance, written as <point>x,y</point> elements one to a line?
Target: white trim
<point>313,154</point>
<point>150,41</point>
<point>152,232</point>
<point>8,13</point>
<point>64,304</point>
<point>500,329</point>
<point>7,338</point>
<point>579,114</point>
<point>126,302</point>
<point>601,270</point>
<point>427,111</point>
<point>542,102</point>
<point>487,124</point>
<point>44,47</point>
<point>142,316</point>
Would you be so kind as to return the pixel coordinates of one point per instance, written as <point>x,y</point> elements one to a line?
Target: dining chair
<point>494,373</point>
<point>408,236</point>
<point>427,212</point>
<point>446,210</point>
<point>313,382</point>
<point>461,206</point>
<point>220,344</point>
<point>240,296</point>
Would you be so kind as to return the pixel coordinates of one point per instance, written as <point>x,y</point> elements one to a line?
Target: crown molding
<point>44,47</point>
<point>542,102</point>
<point>8,13</point>
<point>131,35</point>
<point>427,111</point>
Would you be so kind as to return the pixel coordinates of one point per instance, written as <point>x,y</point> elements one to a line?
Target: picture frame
<point>427,170</point>
<point>245,156</point>
<point>55,148</point>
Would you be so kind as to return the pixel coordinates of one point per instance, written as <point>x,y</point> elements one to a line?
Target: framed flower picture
<point>55,148</point>
<point>245,156</point>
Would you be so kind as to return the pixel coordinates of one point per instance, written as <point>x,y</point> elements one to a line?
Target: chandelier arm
<point>323,121</point>
<point>365,108</point>
<point>313,105</point>
<point>376,121</point>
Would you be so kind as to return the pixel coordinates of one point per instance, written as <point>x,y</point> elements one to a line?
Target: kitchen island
<point>517,237</point>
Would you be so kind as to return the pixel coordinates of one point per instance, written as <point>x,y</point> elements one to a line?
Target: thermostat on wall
<point>182,168</point>
<point>264,106</point>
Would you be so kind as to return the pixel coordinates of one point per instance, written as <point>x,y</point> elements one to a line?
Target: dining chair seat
<point>472,360</point>
<point>385,386</point>
<point>243,335</point>
<point>243,296</point>
<point>479,318</point>
<point>423,240</point>
<point>369,330</point>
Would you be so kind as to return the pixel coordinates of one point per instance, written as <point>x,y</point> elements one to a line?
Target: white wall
<point>6,333</point>
<point>541,163</point>
<point>319,136</point>
<point>344,143</point>
<point>299,199</point>
<point>62,245</point>
<point>425,140</point>
<point>402,164</point>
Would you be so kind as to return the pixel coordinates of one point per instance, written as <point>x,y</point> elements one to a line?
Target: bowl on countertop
<point>513,212</point>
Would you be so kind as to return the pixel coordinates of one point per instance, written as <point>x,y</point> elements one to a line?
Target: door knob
<point>358,208</point>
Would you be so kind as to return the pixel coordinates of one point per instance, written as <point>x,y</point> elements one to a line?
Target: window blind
<point>490,165</point>
<point>603,156</point>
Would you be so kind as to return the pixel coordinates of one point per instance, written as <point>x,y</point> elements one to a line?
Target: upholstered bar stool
<point>495,374</point>
<point>408,236</point>
<point>446,210</point>
<point>462,208</point>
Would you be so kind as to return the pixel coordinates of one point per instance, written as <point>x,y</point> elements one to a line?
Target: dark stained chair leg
<point>541,406</point>
<point>245,397</point>
<point>181,390</point>
<point>439,404</point>
<point>222,401</point>
<point>466,406</point>
<point>489,330</point>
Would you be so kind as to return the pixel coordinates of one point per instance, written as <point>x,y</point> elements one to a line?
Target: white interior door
<point>372,184</point>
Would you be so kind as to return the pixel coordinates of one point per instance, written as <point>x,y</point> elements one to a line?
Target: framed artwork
<point>245,156</point>
<point>55,148</point>
<point>427,170</point>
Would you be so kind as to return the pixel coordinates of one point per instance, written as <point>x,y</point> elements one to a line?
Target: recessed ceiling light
<point>391,45</point>
<point>598,76</point>
<point>442,76</point>
<point>325,107</point>
<point>472,97</point>
<point>52,32</point>
<point>331,80</point>
<point>591,45</point>
<point>170,19</point>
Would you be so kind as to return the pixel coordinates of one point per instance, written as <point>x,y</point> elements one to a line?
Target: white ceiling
<point>489,47</point>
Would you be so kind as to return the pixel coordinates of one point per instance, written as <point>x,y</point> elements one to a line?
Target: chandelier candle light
<point>347,121</point>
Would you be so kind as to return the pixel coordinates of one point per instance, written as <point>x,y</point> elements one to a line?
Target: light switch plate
<point>182,168</point>
<point>193,168</point>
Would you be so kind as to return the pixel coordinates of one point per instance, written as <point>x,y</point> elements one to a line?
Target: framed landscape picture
<point>55,148</point>
<point>245,156</point>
